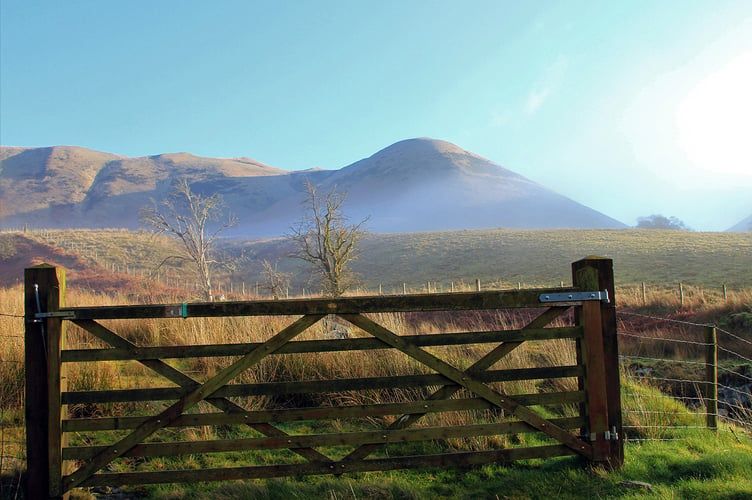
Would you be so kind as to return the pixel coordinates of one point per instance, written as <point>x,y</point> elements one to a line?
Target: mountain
<point>742,226</point>
<point>413,185</point>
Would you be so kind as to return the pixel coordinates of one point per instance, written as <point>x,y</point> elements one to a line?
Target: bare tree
<point>324,239</point>
<point>275,281</point>
<point>190,218</point>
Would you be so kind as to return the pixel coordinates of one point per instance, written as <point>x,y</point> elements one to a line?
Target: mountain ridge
<point>413,185</point>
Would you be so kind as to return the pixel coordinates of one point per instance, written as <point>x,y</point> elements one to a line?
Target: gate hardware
<point>574,296</point>
<point>178,310</point>
<point>56,314</point>
<point>611,435</point>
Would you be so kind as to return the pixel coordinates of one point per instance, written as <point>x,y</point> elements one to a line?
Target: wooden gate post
<point>597,272</point>
<point>44,293</point>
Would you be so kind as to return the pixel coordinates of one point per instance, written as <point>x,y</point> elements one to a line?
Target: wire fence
<point>664,390</point>
<point>707,379</point>
<point>12,414</point>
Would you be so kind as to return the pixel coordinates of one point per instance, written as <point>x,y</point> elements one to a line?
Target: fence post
<point>604,352</point>
<point>711,377</point>
<point>44,293</point>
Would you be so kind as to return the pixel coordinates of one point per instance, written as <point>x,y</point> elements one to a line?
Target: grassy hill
<point>683,462</point>
<point>499,257</point>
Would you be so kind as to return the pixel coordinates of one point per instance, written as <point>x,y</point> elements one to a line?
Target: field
<point>678,460</point>
<point>499,258</point>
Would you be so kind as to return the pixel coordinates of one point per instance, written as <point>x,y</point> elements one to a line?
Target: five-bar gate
<point>440,385</point>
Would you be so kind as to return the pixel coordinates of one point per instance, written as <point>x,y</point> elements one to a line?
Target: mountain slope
<point>742,225</point>
<point>413,185</point>
<point>426,184</point>
<point>65,186</point>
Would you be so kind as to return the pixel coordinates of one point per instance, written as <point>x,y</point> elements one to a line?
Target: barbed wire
<point>663,395</point>
<point>736,406</point>
<point>624,356</point>
<point>663,339</point>
<point>664,427</point>
<point>629,439</point>
<point>663,412</point>
<point>734,353</point>
<point>666,379</point>
<point>737,337</point>
<point>733,389</point>
<point>663,319</point>
<point>726,370</point>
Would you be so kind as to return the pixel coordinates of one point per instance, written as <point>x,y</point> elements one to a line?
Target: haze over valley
<point>413,185</point>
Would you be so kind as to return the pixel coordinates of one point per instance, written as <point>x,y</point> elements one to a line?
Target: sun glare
<point>714,121</point>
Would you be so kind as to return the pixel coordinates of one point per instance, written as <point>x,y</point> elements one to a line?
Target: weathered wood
<point>592,318</point>
<point>44,293</point>
<point>174,375</point>
<point>346,305</point>
<point>317,386</point>
<point>711,377</point>
<point>605,281</point>
<point>383,436</point>
<point>339,467</point>
<point>311,346</point>
<point>189,400</point>
<point>327,413</point>
<point>595,381</point>
<point>472,384</point>
<point>477,369</point>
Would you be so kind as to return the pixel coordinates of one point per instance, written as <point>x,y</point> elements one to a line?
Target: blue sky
<point>630,107</point>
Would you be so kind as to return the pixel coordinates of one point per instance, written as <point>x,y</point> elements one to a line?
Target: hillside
<point>501,258</point>
<point>413,185</point>
<point>742,225</point>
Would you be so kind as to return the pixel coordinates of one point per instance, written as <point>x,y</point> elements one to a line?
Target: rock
<point>636,485</point>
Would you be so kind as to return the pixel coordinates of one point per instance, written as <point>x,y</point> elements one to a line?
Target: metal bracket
<point>177,311</point>
<point>574,297</point>
<point>611,435</point>
<point>56,314</point>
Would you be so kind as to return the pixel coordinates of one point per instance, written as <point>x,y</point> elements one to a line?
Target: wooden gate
<point>439,387</point>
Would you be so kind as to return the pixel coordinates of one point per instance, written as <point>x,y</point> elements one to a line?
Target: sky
<point>630,107</point>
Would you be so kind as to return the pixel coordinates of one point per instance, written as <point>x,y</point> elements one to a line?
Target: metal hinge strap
<point>56,314</point>
<point>574,297</point>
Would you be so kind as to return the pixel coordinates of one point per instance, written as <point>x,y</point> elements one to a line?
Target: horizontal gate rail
<point>318,346</point>
<point>335,467</point>
<point>315,440</point>
<point>302,414</point>
<point>316,386</point>
<point>460,301</point>
<point>474,397</point>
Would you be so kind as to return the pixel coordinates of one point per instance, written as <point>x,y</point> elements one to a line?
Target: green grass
<point>704,466</point>
<point>700,465</point>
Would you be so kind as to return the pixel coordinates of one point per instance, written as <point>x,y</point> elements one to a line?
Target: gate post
<point>44,293</point>
<point>596,273</point>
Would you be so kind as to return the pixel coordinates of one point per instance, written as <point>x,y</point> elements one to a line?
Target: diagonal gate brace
<point>478,367</point>
<point>466,380</point>
<point>174,375</point>
<point>191,399</point>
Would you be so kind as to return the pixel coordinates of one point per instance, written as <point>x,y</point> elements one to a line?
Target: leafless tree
<point>324,239</point>
<point>194,220</point>
<point>275,281</point>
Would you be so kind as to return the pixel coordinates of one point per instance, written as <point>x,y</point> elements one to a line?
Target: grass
<point>500,258</point>
<point>694,464</point>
